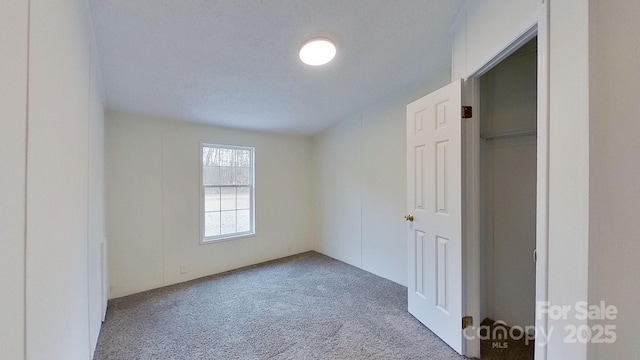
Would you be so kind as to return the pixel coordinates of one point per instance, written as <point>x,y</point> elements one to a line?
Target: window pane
<point>244,198</point>
<point>243,158</point>
<point>210,156</point>
<point>227,175</point>
<point>228,220</point>
<point>228,198</point>
<point>211,224</point>
<point>227,157</point>
<point>212,199</point>
<point>244,220</point>
<point>242,176</point>
<point>211,175</point>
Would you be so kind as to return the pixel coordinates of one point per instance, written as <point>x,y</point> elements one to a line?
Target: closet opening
<point>508,176</point>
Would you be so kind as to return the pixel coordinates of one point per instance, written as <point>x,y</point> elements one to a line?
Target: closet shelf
<point>509,133</point>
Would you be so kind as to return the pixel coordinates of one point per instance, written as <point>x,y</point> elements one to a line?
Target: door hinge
<point>467,112</point>
<point>467,322</point>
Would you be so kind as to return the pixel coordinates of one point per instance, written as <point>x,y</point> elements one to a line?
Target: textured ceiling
<point>234,63</point>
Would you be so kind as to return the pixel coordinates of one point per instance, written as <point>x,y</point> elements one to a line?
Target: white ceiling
<point>235,63</point>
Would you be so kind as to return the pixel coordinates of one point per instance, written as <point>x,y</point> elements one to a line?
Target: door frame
<point>537,26</point>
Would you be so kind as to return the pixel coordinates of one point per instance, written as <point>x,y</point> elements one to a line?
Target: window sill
<point>214,240</point>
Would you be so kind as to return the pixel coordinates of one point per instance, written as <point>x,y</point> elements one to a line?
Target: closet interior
<point>508,122</point>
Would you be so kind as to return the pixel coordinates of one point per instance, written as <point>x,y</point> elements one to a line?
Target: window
<point>227,192</point>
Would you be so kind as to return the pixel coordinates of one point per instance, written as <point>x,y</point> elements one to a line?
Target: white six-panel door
<point>434,199</point>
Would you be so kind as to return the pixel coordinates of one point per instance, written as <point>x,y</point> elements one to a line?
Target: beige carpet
<point>304,307</point>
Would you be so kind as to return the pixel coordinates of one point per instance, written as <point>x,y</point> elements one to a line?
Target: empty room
<point>319,179</point>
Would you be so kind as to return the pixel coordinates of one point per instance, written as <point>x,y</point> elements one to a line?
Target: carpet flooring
<point>308,306</point>
<point>499,345</point>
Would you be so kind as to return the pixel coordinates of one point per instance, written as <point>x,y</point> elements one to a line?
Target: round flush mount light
<point>317,52</point>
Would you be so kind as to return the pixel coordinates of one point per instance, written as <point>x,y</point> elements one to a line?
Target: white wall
<point>13,106</point>
<point>615,171</point>
<point>568,168</point>
<point>60,234</point>
<point>360,185</point>
<point>134,204</point>
<point>96,211</point>
<point>486,27</point>
<point>511,163</point>
<point>154,206</point>
<point>482,31</point>
<point>57,167</point>
<point>338,180</point>
<point>45,149</point>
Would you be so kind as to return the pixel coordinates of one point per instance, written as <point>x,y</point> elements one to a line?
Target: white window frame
<point>224,237</point>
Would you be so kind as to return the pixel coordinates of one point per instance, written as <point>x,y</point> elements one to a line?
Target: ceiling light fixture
<point>317,52</point>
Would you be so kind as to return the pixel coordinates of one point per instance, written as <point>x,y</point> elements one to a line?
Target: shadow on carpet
<point>307,306</point>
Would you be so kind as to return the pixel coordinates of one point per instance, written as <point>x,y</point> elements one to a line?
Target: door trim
<point>471,175</point>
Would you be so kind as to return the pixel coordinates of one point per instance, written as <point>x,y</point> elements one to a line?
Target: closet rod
<point>508,134</point>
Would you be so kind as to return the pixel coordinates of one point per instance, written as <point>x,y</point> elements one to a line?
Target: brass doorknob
<point>409,217</point>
